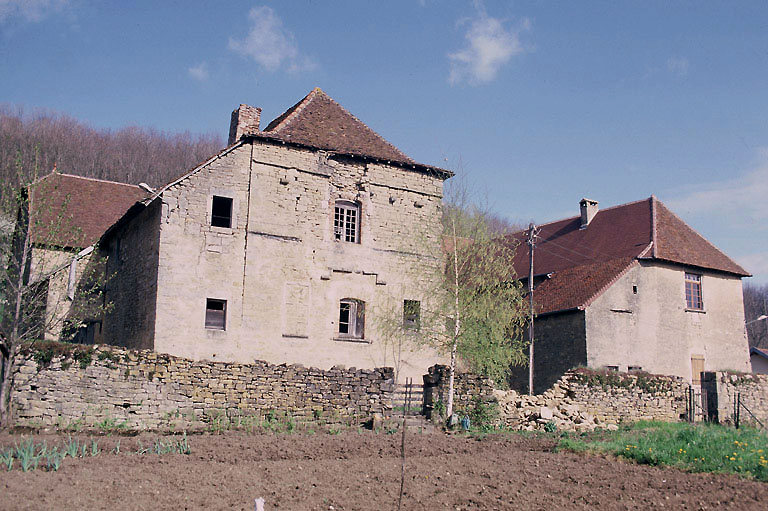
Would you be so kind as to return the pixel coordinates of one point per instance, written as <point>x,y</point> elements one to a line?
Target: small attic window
<point>221,211</point>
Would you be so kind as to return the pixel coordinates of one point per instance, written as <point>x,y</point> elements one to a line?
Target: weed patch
<point>694,448</point>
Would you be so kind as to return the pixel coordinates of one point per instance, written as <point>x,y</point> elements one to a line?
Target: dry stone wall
<point>724,389</point>
<point>581,400</point>
<point>62,385</point>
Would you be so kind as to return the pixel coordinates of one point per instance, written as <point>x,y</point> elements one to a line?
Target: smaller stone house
<point>632,288</point>
<point>68,215</point>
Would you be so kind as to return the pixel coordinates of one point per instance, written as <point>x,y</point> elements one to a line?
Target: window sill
<point>352,339</point>
<point>294,336</point>
<point>697,311</point>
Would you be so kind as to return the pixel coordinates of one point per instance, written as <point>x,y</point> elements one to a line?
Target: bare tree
<point>755,306</point>
<point>41,139</point>
<point>34,261</point>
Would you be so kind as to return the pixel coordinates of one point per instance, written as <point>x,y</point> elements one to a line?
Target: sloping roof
<point>582,263</point>
<point>318,121</point>
<point>74,211</point>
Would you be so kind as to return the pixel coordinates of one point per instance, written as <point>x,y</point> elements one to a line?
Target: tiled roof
<point>318,121</point>
<point>73,211</point>
<point>581,263</point>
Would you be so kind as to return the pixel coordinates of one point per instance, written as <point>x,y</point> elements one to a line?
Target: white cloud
<point>678,66</point>
<point>199,72</point>
<point>269,43</point>
<point>489,46</point>
<point>735,201</point>
<point>30,10</point>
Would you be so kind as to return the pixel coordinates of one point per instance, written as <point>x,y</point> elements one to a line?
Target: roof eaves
<point>445,174</point>
<point>758,351</point>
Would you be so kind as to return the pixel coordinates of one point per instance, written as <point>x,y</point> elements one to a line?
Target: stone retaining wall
<point>723,389</point>
<point>581,400</point>
<point>60,384</point>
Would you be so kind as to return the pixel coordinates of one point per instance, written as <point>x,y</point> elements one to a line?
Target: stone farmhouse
<point>287,246</point>
<point>67,216</point>
<point>632,288</point>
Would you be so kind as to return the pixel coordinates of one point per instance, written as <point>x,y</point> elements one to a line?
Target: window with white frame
<point>693,298</point>
<point>346,221</point>
<point>352,318</point>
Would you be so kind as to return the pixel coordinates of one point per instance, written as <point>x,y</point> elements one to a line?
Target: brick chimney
<point>588,211</point>
<point>245,119</point>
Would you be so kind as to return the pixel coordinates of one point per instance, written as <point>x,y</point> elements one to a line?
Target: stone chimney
<point>245,119</point>
<point>588,211</point>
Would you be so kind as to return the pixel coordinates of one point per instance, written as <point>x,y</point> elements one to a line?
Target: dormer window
<point>346,221</point>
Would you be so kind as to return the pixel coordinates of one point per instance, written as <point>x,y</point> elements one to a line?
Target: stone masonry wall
<point>581,400</point>
<point>723,389</point>
<point>62,385</point>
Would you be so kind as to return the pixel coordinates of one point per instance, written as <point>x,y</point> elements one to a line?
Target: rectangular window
<point>634,368</point>
<point>216,314</point>
<point>612,368</point>
<point>345,221</point>
<point>221,212</point>
<point>411,314</point>
<point>352,318</point>
<point>693,297</point>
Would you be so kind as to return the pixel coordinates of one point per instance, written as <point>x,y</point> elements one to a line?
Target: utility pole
<point>532,233</point>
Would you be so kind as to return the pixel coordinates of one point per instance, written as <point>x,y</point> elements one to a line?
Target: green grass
<point>694,448</point>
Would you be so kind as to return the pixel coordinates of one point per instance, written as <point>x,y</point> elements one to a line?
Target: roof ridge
<point>95,179</point>
<point>284,119</point>
<point>700,236</point>
<point>578,216</point>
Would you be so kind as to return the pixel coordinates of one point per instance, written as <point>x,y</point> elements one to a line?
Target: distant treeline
<point>34,141</point>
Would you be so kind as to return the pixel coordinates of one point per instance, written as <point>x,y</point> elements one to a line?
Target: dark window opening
<point>346,224</point>
<point>693,299</point>
<point>635,368</point>
<point>352,318</point>
<point>634,290</point>
<point>411,314</point>
<point>216,314</point>
<point>221,212</point>
<point>612,368</point>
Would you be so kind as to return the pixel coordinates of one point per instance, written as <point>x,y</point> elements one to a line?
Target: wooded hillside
<point>40,139</point>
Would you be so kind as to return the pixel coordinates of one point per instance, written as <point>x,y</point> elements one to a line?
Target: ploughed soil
<point>360,470</point>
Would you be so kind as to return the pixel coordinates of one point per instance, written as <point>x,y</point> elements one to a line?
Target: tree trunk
<point>456,323</point>
<point>6,366</point>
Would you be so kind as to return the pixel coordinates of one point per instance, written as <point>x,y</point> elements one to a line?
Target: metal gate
<point>697,409</point>
<point>408,398</point>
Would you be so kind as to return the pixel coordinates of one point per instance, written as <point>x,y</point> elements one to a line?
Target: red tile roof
<point>318,121</point>
<point>73,211</point>
<point>581,263</point>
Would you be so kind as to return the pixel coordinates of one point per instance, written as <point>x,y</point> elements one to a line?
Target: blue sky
<point>539,103</point>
